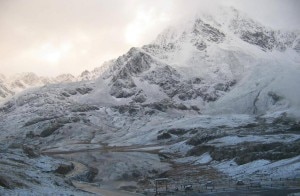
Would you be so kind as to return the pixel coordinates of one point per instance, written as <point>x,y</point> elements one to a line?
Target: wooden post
<point>166,186</point>
<point>155,187</point>
<point>161,182</point>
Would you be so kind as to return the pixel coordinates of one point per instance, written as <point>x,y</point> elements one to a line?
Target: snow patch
<point>278,169</point>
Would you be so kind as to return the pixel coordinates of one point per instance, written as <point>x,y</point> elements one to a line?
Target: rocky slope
<point>211,63</point>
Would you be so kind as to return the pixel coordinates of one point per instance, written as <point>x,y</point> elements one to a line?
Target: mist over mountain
<point>217,91</point>
<point>9,86</point>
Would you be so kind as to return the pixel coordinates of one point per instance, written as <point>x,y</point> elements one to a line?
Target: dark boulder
<point>164,136</point>
<point>51,129</point>
<point>5,182</point>
<point>64,168</point>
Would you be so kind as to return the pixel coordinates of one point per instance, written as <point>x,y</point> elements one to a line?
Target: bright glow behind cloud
<point>50,37</point>
<point>144,22</point>
<point>52,54</point>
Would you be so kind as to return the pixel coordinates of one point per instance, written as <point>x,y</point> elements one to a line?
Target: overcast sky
<point>50,37</point>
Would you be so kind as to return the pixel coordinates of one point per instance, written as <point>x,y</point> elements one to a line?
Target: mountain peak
<point>199,61</point>
<point>226,21</point>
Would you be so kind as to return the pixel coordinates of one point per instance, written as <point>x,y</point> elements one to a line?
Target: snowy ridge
<point>22,81</point>
<point>95,73</point>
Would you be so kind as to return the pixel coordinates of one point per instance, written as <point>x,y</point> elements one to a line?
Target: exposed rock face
<point>122,84</point>
<point>166,78</point>
<point>138,66</point>
<point>265,40</point>
<point>123,88</point>
<point>256,34</point>
<point>211,34</point>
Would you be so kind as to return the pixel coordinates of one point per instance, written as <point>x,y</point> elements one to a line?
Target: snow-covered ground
<point>285,168</point>
<point>234,140</point>
<point>203,159</point>
<point>32,176</point>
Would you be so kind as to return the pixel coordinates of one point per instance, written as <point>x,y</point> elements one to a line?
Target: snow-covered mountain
<point>22,81</point>
<point>224,63</point>
<point>200,88</point>
<point>95,73</point>
<point>210,61</point>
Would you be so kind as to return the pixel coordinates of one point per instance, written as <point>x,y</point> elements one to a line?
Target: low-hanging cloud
<point>50,37</point>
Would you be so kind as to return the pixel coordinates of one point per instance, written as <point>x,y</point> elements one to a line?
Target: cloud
<point>98,30</point>
<point>275,13</point>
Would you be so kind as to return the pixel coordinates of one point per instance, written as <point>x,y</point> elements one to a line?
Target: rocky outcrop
<point>64,168</point>
<point>87,175</point>
<point>130,65</point>
<point>51,129</point>
<point>208,32</point>
<point>5,182</point>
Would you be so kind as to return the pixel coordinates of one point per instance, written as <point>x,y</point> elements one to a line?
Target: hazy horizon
<point>52,37</point>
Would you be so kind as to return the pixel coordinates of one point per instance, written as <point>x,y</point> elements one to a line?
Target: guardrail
<point>226,184</point>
